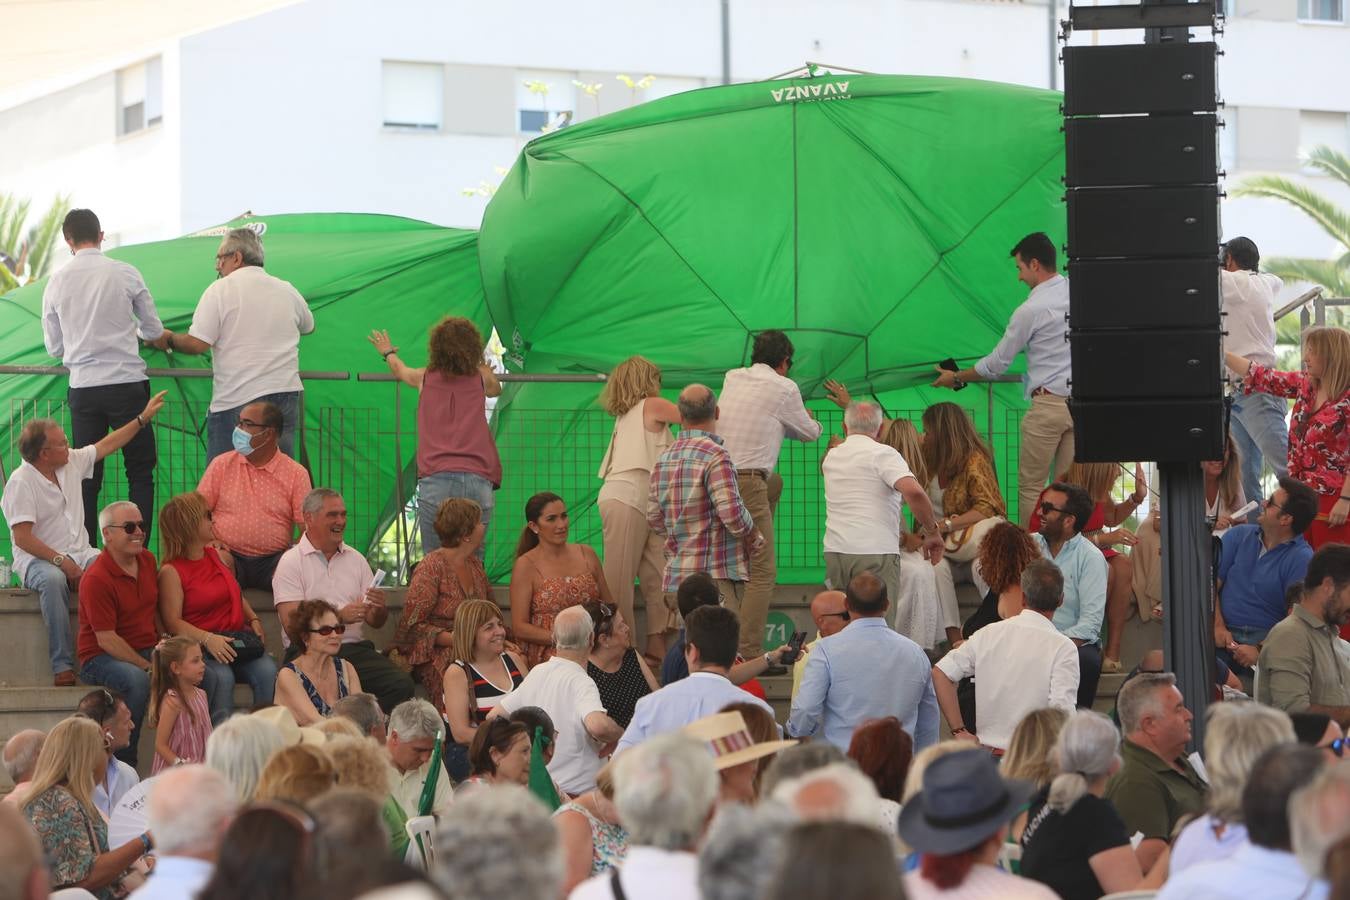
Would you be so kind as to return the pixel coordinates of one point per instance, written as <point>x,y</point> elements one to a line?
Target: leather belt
<point>755,473</point>
<point>1042,391</point>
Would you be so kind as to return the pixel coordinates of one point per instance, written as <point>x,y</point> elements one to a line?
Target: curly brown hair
<point>307,612</point>
<point>1004,553</point>
<point>454,347</point>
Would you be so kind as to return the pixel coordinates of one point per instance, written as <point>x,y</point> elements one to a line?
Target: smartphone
<point>794,648</point>
<point>950,365</point>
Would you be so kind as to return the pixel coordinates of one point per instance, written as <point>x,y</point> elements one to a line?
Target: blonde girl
<point>178,708</point>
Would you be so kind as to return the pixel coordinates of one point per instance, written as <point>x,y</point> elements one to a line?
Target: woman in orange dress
<point>549,575</point>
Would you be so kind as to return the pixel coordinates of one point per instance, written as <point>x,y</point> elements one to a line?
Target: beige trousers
<point>1047,449</point>
<point>760,496</point>
<point>633,550</point>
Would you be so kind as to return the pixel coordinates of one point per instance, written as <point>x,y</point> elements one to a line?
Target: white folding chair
<point>421,842</point>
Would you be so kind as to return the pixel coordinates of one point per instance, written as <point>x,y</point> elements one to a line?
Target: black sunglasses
<point>1047,508</point>
<point>326,630</point>
<point>128,527</point>
<point>1270,501</point>
<point>843,615</point>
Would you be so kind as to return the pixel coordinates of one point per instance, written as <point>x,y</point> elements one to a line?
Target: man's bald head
<point>829,611</point>
<point>698,406</point>
<point>866,595</point>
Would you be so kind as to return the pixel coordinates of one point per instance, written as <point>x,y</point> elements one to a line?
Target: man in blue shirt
<point>867,671</point>
<point>1065,509</point>
<point>1257,565</point>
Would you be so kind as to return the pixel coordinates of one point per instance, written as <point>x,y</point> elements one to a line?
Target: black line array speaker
<point>1140,135</point>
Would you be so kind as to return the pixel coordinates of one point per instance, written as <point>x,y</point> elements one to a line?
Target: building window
<point>1321,10</point>
<point>541,97</point>
<point>140,96</point>
<point>1319,129</point>
<point>414,95</point>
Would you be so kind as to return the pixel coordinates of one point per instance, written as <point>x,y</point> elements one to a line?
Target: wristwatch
<point>58,559</point>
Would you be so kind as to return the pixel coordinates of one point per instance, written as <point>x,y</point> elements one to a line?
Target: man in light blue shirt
<point>711,634</point>
<point>1037,326</point>
<point>187,812</point>
<point>1065,508</point>
<point>106,707</point>
<point>867,671</point>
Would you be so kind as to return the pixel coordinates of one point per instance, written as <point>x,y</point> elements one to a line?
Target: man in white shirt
<point>710,638</point>
<point>93,308</point>
<point>1038,326</point>
<point>106,707</point>
<point>759,406</point>
<point>413,726</point>
<point>561,688</point>
<point>865,481</point>
<point>665,791</point>
<point>43,503</point>
<point>187,813</point>
<point>322,566</point>
<point>251,322</point>
<point>1258,425</point>
<point>1019,665</point>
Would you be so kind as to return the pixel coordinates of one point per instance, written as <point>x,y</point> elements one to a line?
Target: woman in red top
<point>199,598</point>
<point>1319,432</point>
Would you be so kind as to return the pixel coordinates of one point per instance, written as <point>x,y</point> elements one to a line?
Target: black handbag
<point>247,645</point>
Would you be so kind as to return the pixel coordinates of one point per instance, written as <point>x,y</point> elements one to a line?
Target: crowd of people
<point>584,745</point>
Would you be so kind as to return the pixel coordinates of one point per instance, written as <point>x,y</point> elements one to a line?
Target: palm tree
<point>1333,275</point>
<point>32,246</point>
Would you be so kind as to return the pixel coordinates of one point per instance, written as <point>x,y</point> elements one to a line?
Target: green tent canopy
<point>870,217</point>
<point>357,272</point>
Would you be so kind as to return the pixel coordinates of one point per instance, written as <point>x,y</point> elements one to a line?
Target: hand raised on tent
<point>837,393</point>
<point>380,339</point>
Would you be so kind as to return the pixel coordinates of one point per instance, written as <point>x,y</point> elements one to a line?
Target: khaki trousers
<point>760,496</point>
<point>1047,449</point>
<point>841,568</point>
<point>633,550</point>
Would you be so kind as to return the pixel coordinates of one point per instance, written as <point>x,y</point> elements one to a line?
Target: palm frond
<point>1333,277</point>
<point>1331,162</point>
<point>42,237</point>
<point>1333,220</point>
<point>13,215</point>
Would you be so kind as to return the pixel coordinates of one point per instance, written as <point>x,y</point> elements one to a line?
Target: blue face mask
<point>243,441</point>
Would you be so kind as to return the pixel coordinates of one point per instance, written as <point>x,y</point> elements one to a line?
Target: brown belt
<point>755,473</point>
<point>1042,391</point>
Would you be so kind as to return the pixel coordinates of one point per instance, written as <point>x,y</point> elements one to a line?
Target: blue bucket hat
<point>963,801</point>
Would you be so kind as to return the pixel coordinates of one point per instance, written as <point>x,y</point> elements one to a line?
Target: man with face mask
<point>256,494</point>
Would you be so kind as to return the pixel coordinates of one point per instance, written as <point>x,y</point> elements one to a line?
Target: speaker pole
<point>1188,589</point>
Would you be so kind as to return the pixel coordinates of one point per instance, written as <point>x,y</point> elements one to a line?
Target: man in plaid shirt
<point>695,503</point>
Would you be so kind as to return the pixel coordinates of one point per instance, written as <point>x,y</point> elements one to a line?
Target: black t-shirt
<point>1056,847</point>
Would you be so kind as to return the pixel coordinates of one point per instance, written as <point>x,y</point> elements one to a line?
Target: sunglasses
<point>843,615</point>
<point>1047,508</point>
<point>1270,501</point>
<point>326,630</point>
<point>128,527</point>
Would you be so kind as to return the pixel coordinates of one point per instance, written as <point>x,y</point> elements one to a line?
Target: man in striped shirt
<point>695,503</point>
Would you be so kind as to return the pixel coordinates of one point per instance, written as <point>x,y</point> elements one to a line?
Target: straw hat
<point>291,733</point>
<point>729,739</point>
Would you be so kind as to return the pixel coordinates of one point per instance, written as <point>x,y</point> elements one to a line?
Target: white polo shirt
<point>1248,300</point>
<point>1019,665</point>
<point>862,506</point>
<point>562,689</point>
<point>56,510</point>
<point>253,323</point>
<point>304,573</point>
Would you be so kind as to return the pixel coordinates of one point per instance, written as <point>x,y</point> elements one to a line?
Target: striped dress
<point>188,738</point>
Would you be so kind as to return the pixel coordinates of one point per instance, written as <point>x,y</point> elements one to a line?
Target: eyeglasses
<point>1337,746</point>
<point>843,615</point>
<point>249,423</point>
<point>1270,501</point>
<point>326,630</point>
<point>220,256</point>
<point>128,527</point>
<point>1047,508</point>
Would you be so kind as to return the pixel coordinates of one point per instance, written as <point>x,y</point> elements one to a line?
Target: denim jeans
<point>1259,430</point>
<point>94,411</point>
<point>220,678</point>
<point>128,680</point>
<point>54,598</point>
<point>220,425</point>
<point>433,490</point>
<point>1242,634</point>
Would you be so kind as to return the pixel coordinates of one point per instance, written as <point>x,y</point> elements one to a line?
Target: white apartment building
<point>400,107</point>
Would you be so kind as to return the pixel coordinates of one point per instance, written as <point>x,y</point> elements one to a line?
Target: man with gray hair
<point>1156,785</point>
<point>561,688</point>
<point>119,615</point>
<point>413,727</point>
<point>499,842</point>
<point>43,503</point>
<point>364,710</point>
<point>695,503</point>
<point>665,790</point>
<point>1019,665</point>
<point>20,759</point>
<point>865,484</point>
<point>251,322</point>
<point>1319,818</point>
<point>839,792</point>
<point>188,811</point>
<point>321,566</point>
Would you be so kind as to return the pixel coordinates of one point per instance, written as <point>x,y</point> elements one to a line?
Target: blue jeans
<point>129,681</point>
<point>220,678</point>
<point>220,425</point>
<point>1259,430</point>
<point>54,598</point>
<point>433,490</point>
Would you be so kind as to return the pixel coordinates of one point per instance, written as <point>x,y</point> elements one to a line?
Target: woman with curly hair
<point>456,456</point>
<point>642,420</point>
<point>1004,553</point>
